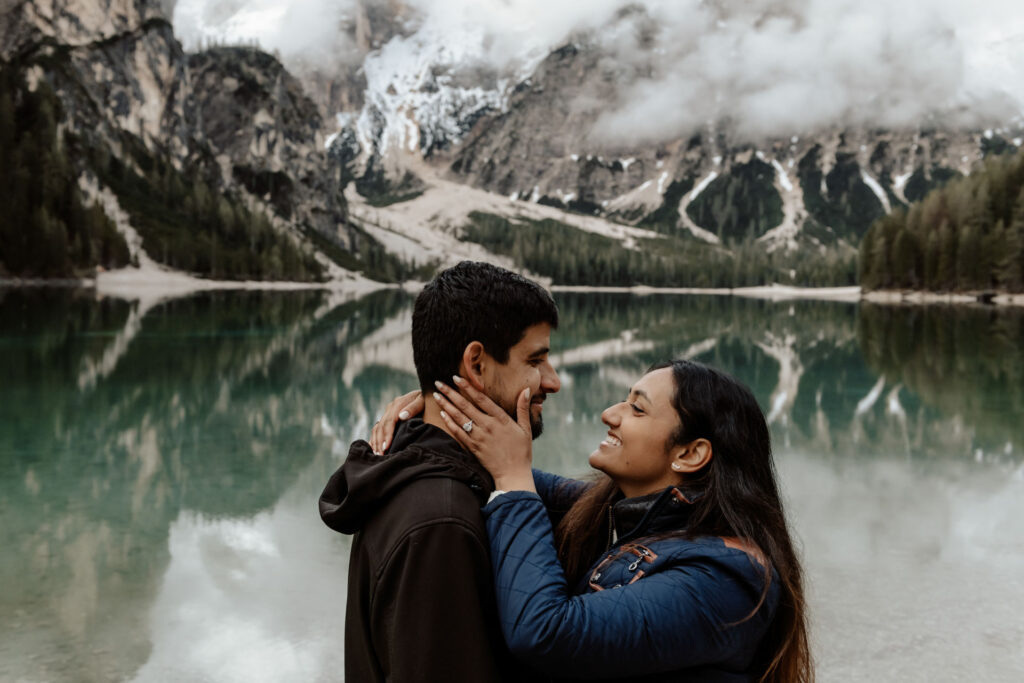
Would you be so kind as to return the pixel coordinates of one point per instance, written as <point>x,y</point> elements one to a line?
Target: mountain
<point>415,148</point>
<point>432,106</point>
<point>212,163</point>
<point>827,186</point>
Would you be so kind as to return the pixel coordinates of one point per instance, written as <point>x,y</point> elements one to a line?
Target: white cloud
<point>768,66</point>
<point>777,67</point>
<point>307,30</point>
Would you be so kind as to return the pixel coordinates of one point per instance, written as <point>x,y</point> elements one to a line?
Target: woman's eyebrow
<point>641,393</point>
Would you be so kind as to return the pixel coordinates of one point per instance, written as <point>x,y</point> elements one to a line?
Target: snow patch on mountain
<point>781,175</point>
<point>700,233</point>
<point>661,182</point>
<point>898,183</point>
<point>687,222</point>
<point>643,196</point>
<point>877,189</point>
<point>702,185</point>
<point>412,99</point>
<point>784,235</point>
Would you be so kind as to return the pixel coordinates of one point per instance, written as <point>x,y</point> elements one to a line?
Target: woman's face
<point>636,454</point>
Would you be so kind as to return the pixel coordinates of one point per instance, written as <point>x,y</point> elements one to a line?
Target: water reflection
<point>913,572</point>
<point>160,460</point>
<point>966,362</point>
<point>214,407</point>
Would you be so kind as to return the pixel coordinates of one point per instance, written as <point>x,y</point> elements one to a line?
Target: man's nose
<point>549,382</point>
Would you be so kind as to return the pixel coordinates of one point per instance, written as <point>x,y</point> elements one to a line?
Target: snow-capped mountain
<point>637,122</point>
<point>532,132</point>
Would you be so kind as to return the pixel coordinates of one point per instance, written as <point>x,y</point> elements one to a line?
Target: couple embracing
<point>674,564</point>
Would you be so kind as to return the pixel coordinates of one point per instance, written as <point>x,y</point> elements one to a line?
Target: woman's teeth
<point>611,441</point>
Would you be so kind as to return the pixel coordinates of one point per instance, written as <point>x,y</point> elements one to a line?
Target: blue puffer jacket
<point>652,607</point>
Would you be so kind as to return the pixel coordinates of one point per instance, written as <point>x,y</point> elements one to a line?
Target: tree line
<point>570,256</point>
<point>185,221</point>
<point>966,236</point>
<point>47,229</point>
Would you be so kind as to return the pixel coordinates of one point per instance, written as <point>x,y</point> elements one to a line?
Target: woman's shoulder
<point>702,560</point>
<point>716,553</point>
<point>712,546</point>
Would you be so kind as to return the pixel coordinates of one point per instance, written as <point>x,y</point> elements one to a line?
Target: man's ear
<point>474,358</point>
<point>691,457</point>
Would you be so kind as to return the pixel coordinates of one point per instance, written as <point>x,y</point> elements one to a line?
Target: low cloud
<point>765,67</point>
<point>774,68</point>
<point>311,32</point>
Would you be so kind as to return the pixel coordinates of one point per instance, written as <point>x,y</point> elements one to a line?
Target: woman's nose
<point>610,416</point>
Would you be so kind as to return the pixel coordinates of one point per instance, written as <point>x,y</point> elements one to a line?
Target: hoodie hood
<point>366,481</point>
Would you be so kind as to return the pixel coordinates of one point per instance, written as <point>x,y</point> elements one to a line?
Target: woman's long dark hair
<point>739,499</point>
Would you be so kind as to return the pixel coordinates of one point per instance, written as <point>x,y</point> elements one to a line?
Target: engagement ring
<point>468,426</point>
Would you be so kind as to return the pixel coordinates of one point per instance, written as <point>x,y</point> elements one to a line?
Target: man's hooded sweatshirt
<point>421,603</point>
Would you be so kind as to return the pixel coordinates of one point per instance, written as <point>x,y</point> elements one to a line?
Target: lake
<point>160,464</point>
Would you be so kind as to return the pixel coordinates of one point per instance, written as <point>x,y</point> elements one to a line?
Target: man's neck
<point>432,416</point>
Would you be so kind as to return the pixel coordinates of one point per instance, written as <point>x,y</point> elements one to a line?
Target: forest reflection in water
<point>159,465</point>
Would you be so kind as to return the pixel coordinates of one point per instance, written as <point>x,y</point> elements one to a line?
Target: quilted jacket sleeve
<point>671,620</point>
<point>558,493</point>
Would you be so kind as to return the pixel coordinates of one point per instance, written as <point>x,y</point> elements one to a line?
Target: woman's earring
<point>675,466</point>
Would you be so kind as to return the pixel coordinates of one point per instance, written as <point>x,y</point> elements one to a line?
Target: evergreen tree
<point>962,237</point>
<point>906,260</point>
<point>931,261</point>
<point>866,271</point>
<point>993,256</point>
<point>1012,271</point>
<point>46,230</point>
<point>945,273</point>
<point>968,255</point>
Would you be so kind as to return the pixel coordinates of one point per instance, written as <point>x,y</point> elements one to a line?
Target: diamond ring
<point>468,426</point>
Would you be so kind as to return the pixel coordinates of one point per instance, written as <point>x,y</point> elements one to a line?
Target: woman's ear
<point>472,365</point>
<point>691,457</point>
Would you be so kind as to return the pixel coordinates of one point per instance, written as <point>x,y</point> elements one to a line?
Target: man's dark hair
<point>469,302</point>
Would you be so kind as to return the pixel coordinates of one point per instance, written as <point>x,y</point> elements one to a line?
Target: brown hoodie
<point>421,601</point>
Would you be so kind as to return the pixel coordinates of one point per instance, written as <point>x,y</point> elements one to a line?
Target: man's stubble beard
<point>536,424</point>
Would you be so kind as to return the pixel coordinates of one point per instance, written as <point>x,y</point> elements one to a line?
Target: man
<point>421,603</point>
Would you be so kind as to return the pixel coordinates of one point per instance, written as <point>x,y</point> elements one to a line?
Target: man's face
<point>527,366</point>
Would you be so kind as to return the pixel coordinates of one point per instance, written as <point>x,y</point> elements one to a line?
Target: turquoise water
<point>160,464</point>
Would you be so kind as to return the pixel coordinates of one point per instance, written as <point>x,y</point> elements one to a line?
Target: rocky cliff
<point>267,135</point>
<point>224,139</point>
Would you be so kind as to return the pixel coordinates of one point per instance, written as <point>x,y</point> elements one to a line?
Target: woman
<point>677,561</point>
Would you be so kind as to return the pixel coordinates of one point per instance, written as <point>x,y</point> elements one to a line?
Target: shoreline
<point>133,283</point>
<point>143,283</point>
<point>770,292</point>
<point>919,298</point>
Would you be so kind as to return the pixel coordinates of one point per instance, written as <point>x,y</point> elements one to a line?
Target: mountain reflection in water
<point>160,462</point>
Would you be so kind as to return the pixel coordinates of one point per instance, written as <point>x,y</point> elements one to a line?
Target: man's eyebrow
<point>543,351</point>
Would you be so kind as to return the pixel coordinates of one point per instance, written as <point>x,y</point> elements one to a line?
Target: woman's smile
<point>611,441</point>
